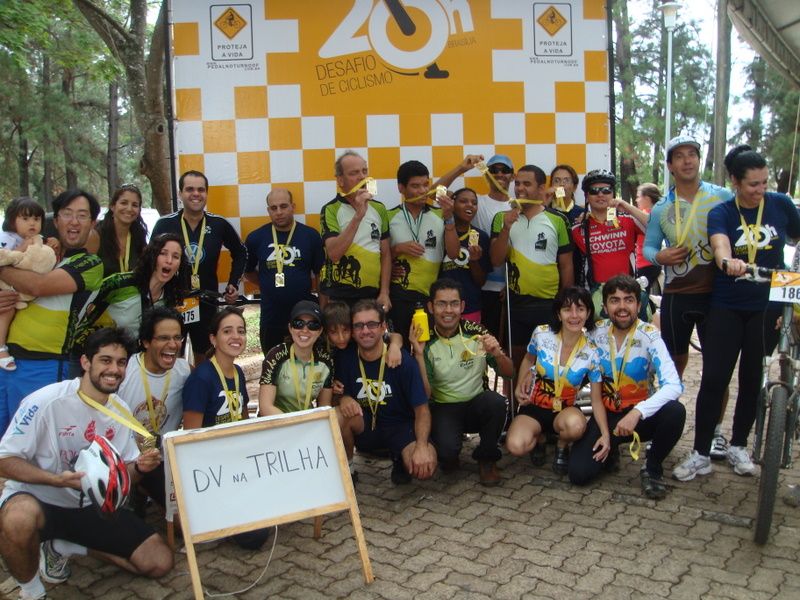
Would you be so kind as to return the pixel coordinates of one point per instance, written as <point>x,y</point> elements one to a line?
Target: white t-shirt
<point>169,412</point>
<point>50,428</point>
<point>9,240</point>
<point>487,208</point>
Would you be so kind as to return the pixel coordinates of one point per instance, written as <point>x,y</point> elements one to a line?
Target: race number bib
<point>785,287</point>
<point>190,310</point>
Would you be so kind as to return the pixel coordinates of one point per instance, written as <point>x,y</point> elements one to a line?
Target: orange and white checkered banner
<point>269,93</point>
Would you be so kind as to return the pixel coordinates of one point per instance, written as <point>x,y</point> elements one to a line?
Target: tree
<point>143,68</point>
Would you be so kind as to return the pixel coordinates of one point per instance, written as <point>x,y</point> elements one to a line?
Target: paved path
<point>535,536</point>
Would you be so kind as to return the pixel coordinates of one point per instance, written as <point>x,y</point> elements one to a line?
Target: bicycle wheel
<point>773,450</point>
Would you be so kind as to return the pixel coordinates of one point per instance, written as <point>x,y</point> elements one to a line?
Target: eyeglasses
<point>600,190</point>
<point>371,325</point>
<point>442,304</point>
<point>163,339</point>
<point>562,180</point>
<point>312,324</point>
<point>497,170</point>
<point>69,215</point>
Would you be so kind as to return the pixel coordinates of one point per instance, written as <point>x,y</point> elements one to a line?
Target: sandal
<point>7,362</point>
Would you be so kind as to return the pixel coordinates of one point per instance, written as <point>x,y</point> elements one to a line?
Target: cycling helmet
<point>598,176</point>
<point>105,481</point>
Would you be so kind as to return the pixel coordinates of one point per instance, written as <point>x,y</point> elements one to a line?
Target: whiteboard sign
<point>255,472</point>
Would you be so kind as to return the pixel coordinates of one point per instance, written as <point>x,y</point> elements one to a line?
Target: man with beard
<point>632,355</point>
<point>284,258</point>
<point>42,499</point>
<point>153,386</point>
<point>384,407</point>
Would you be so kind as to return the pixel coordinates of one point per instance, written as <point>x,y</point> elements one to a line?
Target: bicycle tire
<point>770,466</point>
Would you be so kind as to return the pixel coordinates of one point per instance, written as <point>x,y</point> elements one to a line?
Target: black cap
<point>306,307</point>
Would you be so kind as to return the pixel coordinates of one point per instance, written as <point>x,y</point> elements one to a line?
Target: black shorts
<point>526,315</point>
<point>680,313</point>
<point>120,535</point>
<point>544,416</point>
<point>395,437</point>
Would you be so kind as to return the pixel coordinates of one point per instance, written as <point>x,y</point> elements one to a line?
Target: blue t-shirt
<point>402,390</point>
<point>459,269</point>
<point>302,257</point>
<point>779,221</point>
<point>203,393</point>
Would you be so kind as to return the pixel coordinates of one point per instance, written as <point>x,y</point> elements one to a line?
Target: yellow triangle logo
<point>551,21</point>
<point>230,23</point>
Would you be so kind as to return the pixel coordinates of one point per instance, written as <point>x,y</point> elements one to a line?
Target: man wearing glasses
<point>40,337</point>
<point>384,407</point>
<point>153,385</point>
<point>204,234</point>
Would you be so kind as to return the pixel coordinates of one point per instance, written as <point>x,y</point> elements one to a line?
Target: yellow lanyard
<point>154,427</point>
<point>750,238</point>
<point>635,446</point>
<point>194,256</point>
<point>467,351</point>
<point>372,388</point>
<point>234,406</point>
<point>560,205</point>
<point>559,377</point>
<point>125,259</point>
<point>481,166</point>
<point>372,187</point>
<point>680,236</point>
<point>279,248</point>
<point>612,342</point>
<point>124,417</point>
<point>296,379</point>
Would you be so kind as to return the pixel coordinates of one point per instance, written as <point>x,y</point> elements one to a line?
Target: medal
<point>195,281</point>
<point>611,213</point>
<point>473,237</point>
<point>556,404</point>
<point>372,186</point>
<point>280,280</point>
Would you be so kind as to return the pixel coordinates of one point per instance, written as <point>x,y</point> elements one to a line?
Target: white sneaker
<point>719,448</point>
<point>53,567</point>
<point>694,465</point>
<point>739,458</point>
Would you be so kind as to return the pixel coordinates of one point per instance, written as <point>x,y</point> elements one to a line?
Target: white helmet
<point>105,481</point>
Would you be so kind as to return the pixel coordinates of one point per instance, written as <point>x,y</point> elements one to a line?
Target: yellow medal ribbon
<point>438,191</point>
<point>154,427</point>
<point>195,256</point>
<point>372,389</point>
<point>635,446</point>
<point>616,374</point>
<point>481,166</point>
<point>125,259</point>
<point>234,406</point>
<point>558,375</point>
<point>279,249</point>
<point>751,239</point>
<point>296,379</point>
<point>367,181</point>
<point>124,417</point>
<point>562,206</point>
<point>467,351</point>
<point>680,236</point>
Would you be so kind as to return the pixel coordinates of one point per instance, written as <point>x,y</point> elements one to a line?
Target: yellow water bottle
<point>420,321</point>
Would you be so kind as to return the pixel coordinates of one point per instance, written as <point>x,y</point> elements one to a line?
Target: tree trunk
<point>23,162</point>
<point>624,72</point>
<point>67,88</point>
<point>144,78</point>
<point>47,152</point>
<point>112,154</point>
<point>709,166</point>
<point>723,90</point>
<point>758,75</point>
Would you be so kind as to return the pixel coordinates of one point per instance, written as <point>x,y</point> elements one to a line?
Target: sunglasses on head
<point>600,190</point>
<point>311,324</point>
<point>497,170</point>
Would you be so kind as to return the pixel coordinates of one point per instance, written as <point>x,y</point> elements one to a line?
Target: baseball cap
<point>306,307</point>
<point>681,140</point>
<point>500,159</point>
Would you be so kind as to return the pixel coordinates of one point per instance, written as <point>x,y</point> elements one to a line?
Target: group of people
<point>523,267</point>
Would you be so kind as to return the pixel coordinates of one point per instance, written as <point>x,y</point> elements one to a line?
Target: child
<point>22,224</point>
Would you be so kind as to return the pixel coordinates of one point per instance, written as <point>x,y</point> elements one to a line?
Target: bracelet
<point>450,221</point>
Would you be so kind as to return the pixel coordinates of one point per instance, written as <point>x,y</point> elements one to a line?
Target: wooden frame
<point>349,503</point>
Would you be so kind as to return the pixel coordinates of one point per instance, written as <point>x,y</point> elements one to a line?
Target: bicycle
<point>772,449</point>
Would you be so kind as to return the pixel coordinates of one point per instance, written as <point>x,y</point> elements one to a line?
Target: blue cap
<point>501,159</point>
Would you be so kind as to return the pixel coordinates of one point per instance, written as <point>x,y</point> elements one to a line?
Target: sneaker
<point>719,447</point>
<point>399,474</point>
<point>739,459</point>
<point>653,487</point>
<point>561,461</point>
<point>53,567</point>
<point>694,465</point>
<point>25,596</point>
<point>539,455</point>
<point>488,473</point>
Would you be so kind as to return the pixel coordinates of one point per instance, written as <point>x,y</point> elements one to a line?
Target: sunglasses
<point>371,325</point>
<point>498,170</point>
<point>600,190</point>
<point>312,324</point>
